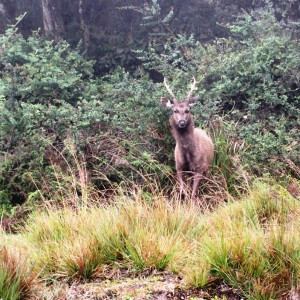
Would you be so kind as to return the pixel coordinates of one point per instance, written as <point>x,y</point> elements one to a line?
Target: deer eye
<point>187,111</point>
<point>176,111</point>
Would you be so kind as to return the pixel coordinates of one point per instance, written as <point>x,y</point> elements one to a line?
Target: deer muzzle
<point>182,123</point>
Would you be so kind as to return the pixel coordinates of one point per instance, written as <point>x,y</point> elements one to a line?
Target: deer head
<point>181,116</point>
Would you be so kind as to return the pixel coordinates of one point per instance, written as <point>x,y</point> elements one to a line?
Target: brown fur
<point>194,149</point>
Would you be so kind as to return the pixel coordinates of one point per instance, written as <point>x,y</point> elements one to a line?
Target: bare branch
<point>168,88</point>
<point>193,86</point>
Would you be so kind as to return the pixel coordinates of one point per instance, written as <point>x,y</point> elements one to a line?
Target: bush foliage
<point>42,86</point>
<point>52,107</point>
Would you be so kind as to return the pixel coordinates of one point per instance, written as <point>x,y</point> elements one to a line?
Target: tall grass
<point>252,247</point>
<point>227,169</point>
<point>251,244</point>
<point>137,234</point>
<point>16,277</point>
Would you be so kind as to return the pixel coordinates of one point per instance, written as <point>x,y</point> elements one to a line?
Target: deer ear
<point>192,101</point>
<point>166,102</point>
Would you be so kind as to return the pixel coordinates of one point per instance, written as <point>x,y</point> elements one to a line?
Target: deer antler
<point>168,88</point>
<point>193,86</point>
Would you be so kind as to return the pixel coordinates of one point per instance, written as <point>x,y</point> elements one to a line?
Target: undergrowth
<point>251,244</point>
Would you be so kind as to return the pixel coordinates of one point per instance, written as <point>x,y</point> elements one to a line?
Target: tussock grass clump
<point>16,278</point>
<point>251,244</point>
<point>62,243</point>
<point>138,234</point>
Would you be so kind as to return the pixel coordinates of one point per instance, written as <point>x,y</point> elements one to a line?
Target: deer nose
<point>182,123</point>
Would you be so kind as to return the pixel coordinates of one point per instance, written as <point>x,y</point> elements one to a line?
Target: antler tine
<point>168,88</point>
<point>193,86</point>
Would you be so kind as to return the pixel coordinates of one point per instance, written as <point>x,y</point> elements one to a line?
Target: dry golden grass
<point>16,276</point>
<point>251,244</point>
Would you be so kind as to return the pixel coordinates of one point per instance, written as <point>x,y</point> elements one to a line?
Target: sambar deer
<point>194,149</point>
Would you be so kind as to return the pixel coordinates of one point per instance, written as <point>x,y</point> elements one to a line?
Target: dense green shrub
<point>50,100</point>
<point>42,85</point>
